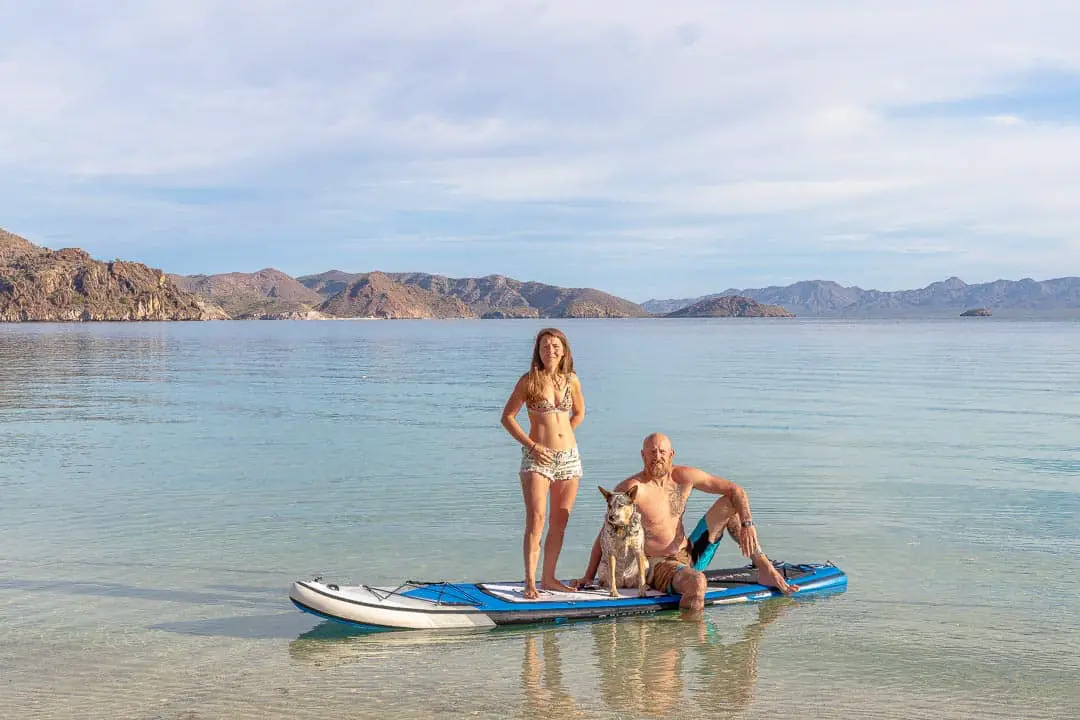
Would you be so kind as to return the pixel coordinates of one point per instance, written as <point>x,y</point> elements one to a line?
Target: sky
<point>651,150</point>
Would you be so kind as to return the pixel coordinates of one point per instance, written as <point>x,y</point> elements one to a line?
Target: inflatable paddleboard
<point>415,605</point>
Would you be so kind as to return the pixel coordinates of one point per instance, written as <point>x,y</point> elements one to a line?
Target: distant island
<point>730,306</point>
<point>977,312</point>
<point>38,284</point>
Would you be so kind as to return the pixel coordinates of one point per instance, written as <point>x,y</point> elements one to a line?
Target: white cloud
<point>699,123</point>
<point>1007,120</point>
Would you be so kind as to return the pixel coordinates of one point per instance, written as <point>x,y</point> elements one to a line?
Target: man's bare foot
<point>769,576</point>
<point>530,592</point>
<point>556,585</point>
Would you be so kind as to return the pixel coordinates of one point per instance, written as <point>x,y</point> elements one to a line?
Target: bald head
<point>658,455</point>
<point>658,439</point>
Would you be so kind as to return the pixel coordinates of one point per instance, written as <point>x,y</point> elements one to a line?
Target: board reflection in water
<point>681,668</point>
<point>658,666</point>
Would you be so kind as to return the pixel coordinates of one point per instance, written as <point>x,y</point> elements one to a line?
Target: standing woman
<point>550,463</point>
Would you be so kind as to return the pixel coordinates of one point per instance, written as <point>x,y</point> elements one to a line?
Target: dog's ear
<point>604,492</point>
<point>632,493</point>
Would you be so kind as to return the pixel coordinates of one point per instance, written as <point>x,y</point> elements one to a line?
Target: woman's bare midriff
<point>551,430</point>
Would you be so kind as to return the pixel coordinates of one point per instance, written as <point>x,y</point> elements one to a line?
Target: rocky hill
<point>485,295</point>
<point>37,284</point>
<point>330,283</point>
<point>827,298</point>
<point>268,294</point>
<point>558,302</point>
<point>13,247</point>
<point>729,306</point>
<point>378,296</point>
<point>496,296</point>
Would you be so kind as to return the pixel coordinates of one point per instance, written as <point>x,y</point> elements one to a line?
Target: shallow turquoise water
<point>162,484</point>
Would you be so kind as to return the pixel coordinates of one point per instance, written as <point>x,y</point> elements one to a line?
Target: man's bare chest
<point>662,501</point>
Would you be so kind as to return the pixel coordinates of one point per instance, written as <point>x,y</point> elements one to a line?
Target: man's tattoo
<point>676,501</point>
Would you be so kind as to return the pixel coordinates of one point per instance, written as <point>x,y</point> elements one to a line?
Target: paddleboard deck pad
<point>419,605</point>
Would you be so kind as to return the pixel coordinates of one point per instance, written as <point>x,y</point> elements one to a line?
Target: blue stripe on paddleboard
<point>359,626</point>
<point>818,580</point>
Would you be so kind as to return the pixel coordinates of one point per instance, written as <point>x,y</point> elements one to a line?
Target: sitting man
<point>675,561</point>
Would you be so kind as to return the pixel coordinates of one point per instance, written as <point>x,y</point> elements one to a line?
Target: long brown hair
<point>534,386</point>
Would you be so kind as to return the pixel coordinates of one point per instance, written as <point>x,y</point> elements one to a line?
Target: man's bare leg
<point>722,516</point>
<point>691,585</point>
<point>768,575</point>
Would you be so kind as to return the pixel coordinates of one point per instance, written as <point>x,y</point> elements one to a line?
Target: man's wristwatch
<point>748,523</point>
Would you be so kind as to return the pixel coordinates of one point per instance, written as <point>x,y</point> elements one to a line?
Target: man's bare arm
<point>740,501</point>
<point>593,566</point>
<point>717,485</point>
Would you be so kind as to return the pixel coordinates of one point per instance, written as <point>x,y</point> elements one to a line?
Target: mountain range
<point>271,294</point>
<point>824,298</point>
<point>492,296</point>
<point>41,284</point>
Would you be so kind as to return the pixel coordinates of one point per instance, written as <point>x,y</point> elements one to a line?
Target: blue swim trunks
<point>701,550</point>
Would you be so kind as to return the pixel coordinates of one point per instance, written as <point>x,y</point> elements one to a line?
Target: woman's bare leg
<point>534,487</point>
<point>563,494</point>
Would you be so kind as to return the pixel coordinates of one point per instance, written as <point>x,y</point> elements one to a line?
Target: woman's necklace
<point>558,384</point>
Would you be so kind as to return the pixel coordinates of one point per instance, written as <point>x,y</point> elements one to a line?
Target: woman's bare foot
<point>530,592</point>
<point>769,576</point>
<point>553,584</point>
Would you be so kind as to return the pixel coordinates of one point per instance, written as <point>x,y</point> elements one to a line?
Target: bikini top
<point>543,407</point>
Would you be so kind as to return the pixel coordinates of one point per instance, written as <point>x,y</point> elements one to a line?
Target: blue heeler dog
<point>622,544</point>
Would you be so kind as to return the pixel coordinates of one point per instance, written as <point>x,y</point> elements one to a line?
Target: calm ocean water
<point>162,484</point>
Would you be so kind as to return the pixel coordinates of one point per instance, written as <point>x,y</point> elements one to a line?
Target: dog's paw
<point>642,592</point>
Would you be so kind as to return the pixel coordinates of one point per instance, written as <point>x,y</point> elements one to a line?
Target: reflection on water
<point>543,687</point>
<point>331,644</point>
<point>675,667</point>
<point>660,666</point>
